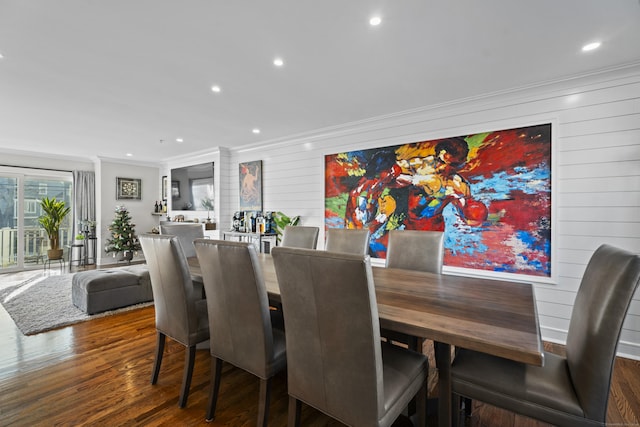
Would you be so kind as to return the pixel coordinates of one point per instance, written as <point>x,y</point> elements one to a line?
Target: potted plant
<point>207,203</point>
<point>79,239</point>
<point>281,220</point>
<point>54,213</point>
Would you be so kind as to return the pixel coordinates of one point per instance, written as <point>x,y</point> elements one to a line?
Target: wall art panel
<point>489,192</point>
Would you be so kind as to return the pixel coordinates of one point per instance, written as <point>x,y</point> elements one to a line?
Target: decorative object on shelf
<point>250,181</point>
<point>260,223</point>
<point>54,213</point>
<point>79,239</point>
<point>164,189</point>
<point>281,221</point>
<point>269,223</point>
<point>207,203</point>
<point>128,189</point>
<point>123,236</point>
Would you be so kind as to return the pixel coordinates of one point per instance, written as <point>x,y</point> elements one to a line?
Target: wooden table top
<point>491,316</point>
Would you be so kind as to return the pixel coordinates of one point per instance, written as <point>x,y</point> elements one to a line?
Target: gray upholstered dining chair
<point>346,240</point>
<point>571,390</point>
<point>300,237</point>
<point>187,233</point>
<point>328,299</point>
<point>243,329</point>
<point>413,250</point>
<point>180,313</point>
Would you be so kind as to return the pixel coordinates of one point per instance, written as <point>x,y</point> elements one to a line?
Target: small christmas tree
<point>123,236</point>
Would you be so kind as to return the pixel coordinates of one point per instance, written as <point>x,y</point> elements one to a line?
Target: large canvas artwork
<point>251,186</point>
<point>489,192</point>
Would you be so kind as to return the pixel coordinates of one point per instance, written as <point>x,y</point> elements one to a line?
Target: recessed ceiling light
<point>129,155</point>
<point>179,140</point>
<point>375,21</point>
<point>256,131</point>
<point>215,88</point>
<point>278,62</point>
<point>591,46</point>
<point>1,56</point>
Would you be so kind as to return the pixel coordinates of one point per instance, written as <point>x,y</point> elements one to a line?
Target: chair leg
<point>461,407</point>
<point>457,409</point>
<point>421,404</point>
<point>467,407</point>
<point>263,404</point>
<point>295,408</point>
<point>186,376</point>
<point>160,340</point>
<point>216,373</point>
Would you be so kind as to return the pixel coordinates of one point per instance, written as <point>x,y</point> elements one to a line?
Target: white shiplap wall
<point>596,127</point>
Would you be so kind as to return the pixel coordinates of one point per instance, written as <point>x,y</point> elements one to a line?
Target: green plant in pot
<point>207,203</point>
<point>281,220</point>
<point>54,212</point>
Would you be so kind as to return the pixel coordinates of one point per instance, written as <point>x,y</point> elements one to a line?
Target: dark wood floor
<point>98,373</point>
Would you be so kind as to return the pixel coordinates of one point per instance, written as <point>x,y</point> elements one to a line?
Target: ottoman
<point>142,271</point>
<point>101,290</point>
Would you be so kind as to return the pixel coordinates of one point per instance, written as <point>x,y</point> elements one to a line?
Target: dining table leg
<point>443,363</point>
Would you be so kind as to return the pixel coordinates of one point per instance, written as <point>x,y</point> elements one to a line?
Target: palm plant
<point>207,203</point>
<point>54,213</point>
<point>281,220</point>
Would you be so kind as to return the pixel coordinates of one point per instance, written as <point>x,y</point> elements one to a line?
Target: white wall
<point>106,173</point>
<point>596,127</point>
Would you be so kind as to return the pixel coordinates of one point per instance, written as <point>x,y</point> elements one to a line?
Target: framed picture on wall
<point>489,192</point>
<point>128,189</point>
<point>250,182</point>
<point>164,189</point>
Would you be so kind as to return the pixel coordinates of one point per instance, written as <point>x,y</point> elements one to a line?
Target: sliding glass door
<point>23,242</point>
<point>8,222</point>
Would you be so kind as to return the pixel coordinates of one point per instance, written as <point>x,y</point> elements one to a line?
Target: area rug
<point>43,303</point>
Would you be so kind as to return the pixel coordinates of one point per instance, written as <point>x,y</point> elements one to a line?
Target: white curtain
<point>84,198</point>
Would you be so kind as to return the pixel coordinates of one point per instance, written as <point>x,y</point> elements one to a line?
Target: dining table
<point>496,317</point>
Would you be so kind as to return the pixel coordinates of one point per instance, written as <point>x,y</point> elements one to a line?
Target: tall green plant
<point>281,220</point>
<point>54,213</point>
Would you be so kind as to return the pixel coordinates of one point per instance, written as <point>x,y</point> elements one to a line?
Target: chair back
<point>346,240</point>
<point>238,305</point>
<point>186,233</point>
<point>609,282</point>
<point>334,360</point>
<point>416,250</point>
<point>173,295</point>
<point>300,237</point>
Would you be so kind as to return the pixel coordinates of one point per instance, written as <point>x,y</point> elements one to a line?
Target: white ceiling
<point>106,78</point>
